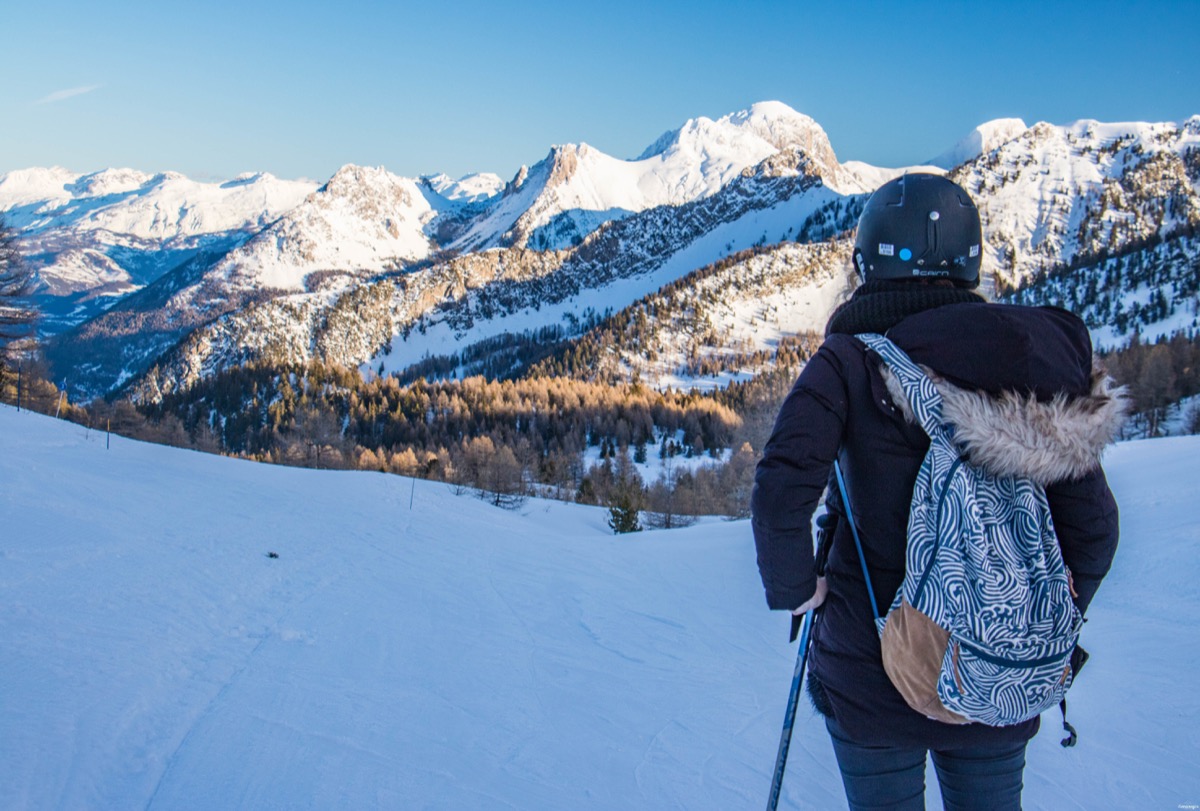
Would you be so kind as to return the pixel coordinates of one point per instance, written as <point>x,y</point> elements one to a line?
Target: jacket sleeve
<point>791,477</point>
<point>1087,524</point>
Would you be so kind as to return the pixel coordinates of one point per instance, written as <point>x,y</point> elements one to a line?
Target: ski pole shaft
<point>789,718</point>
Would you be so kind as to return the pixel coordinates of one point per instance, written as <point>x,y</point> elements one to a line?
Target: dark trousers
<point>893,777</point>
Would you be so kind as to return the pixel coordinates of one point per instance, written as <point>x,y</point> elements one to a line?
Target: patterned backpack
<point>983,626</point>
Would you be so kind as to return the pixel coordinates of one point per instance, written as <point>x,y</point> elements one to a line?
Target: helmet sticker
<point>905,254</point>
<point>887,249</point>
<point>974,251</point>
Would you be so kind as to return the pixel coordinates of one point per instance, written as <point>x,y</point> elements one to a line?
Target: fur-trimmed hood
<point>1011,434</point>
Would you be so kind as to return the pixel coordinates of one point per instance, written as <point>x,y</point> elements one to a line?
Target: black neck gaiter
<point>880,305</point>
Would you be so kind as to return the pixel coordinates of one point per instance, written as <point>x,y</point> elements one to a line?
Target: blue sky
<point>300,88</point>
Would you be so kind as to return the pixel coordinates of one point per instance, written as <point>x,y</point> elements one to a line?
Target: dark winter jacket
<point>1020,387</point>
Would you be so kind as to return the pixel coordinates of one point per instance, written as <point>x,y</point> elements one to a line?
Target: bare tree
<point>667,499</point>
<point>1156,388</point>
<point>16,283</point>
<point>16,316</point>
<point>494,472</point>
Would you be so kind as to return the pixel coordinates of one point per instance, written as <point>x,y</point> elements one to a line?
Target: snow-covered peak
<point>359,221</point>
<point>249,178</point>
<point>747,135</point>
<point>23,186</point>
<point>369,194</point>
<point>518,180</point>
<point>577,187</point>
<point>108,181</point>
<point>980,141</point>
<point>352,177</point>
<point>782,127</point>
<point>138,205</point>
<point>473,188</point>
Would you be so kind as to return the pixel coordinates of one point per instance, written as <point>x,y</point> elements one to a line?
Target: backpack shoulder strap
<point>922,395</point>
<point>862,558</point>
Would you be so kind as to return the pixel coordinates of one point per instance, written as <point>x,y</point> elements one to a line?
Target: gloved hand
<point>814,601</point>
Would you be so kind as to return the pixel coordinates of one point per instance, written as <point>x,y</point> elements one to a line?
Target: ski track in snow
<point>269,635</point>
<point>458,656</point>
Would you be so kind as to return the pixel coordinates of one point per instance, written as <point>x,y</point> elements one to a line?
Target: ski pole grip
<point>826,525</point>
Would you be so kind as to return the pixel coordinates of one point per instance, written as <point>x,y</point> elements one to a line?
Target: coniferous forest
<point>566,438</point>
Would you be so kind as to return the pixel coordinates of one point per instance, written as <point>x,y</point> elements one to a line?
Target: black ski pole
<point>789,718</point>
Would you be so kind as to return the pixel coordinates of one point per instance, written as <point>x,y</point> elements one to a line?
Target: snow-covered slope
<point>723,322</point>
<point>1154,292</point>
<point>413,649</point>
<point>625,261</point>
<point>115,228</point>
<point>715,330</point>
<point>1054,196</point>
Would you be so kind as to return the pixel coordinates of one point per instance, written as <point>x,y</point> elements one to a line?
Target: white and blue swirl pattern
<point>983,562</point>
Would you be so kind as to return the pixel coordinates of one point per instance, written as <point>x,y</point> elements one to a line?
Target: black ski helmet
<point>919,226</point>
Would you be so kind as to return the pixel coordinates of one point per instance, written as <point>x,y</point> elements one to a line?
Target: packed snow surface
<point>410,648</point>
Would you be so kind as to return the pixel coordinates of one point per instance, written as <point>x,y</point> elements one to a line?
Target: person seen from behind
<point>918,255</point>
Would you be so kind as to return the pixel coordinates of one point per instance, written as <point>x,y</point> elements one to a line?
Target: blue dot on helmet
<point>905,254</point>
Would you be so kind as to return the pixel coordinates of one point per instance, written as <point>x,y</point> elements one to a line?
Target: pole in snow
<point>108,435</point>
<point>789,717</point>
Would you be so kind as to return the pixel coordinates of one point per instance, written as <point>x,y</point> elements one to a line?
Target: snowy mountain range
<point>155,281</point>
<point>95,237</point>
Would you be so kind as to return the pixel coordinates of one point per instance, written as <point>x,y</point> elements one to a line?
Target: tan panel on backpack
<point>914,647</point>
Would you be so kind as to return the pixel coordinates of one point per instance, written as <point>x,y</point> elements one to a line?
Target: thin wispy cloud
<point>62,95</point>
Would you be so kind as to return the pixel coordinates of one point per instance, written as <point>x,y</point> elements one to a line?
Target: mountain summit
<point>979,141</point>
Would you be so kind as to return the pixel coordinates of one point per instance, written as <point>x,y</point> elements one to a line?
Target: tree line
<point>1158,374</point>
<point>505,439</point>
